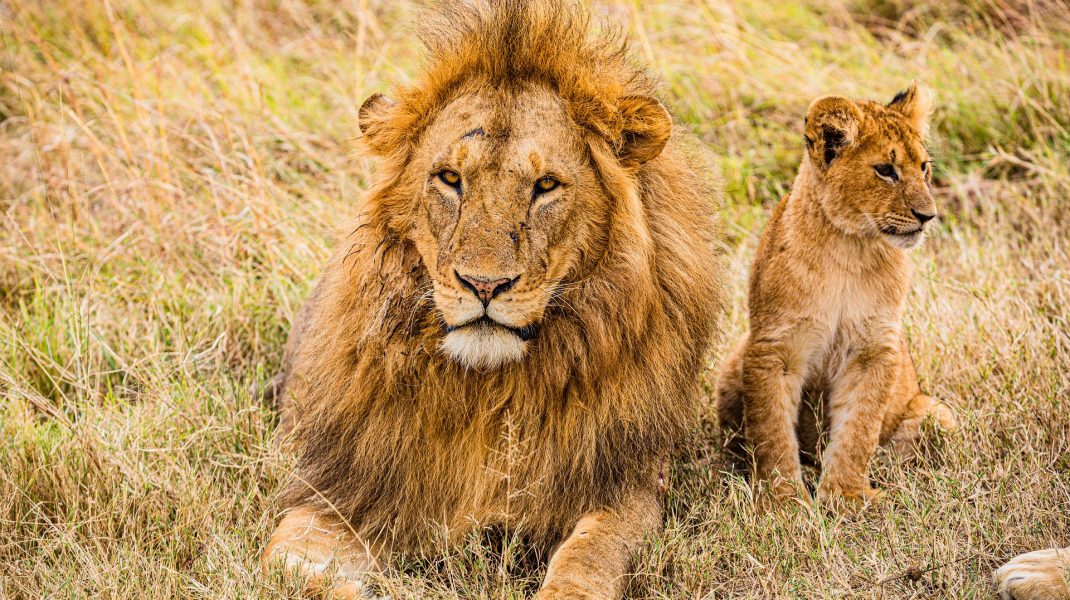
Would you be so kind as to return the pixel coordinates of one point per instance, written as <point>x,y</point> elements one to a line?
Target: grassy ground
<point>171,174</point>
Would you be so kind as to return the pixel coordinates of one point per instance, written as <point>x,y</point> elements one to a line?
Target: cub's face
<point>506,205</point>
<point>874,169</point>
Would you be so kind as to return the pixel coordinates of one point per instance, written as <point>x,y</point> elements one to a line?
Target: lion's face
<point>508,202</point>
<point>875,170</point>
<point>505,198</point>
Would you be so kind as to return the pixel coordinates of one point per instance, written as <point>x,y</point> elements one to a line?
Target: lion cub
<point>827,289</point>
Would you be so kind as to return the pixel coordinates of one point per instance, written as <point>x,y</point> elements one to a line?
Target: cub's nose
<point>922,218</point>
<point>486,289</point>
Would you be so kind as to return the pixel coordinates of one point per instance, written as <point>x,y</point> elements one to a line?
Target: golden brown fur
<point>826,349</point>
<point>1041,575</point>
<point>422,407</point>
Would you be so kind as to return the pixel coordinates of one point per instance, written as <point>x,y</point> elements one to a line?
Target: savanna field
<point>173,174</point>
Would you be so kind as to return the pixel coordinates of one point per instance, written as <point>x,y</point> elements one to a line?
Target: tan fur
<point>416,423</point>
<point>1041,575</point>
<point>826,348</point>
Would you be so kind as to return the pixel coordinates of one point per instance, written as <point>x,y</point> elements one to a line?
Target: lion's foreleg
<point>324,550</point>
<point>594,560</point>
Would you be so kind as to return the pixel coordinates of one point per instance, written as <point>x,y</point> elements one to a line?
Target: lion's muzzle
<point>486,326</point>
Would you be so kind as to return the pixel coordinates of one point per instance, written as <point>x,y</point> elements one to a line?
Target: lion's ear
<point>647,127</point>
<point>374,117</point>
<point>831,127</point>
<point>916,104</point>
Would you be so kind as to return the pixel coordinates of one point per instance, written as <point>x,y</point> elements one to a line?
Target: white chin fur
<point>906,242</point>
<point>483,346</point>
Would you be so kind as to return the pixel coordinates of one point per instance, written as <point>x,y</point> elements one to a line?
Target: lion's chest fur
<point>533,462</point>
<point>497,477</point>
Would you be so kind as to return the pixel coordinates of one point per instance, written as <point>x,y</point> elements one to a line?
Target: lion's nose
<point>486,289</point>
<point>922,218</point>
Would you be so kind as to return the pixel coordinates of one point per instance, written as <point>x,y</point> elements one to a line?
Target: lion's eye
<point>450,178</point>
<point>546,184</point>
<point>925,166</point>
<point>886,170</point>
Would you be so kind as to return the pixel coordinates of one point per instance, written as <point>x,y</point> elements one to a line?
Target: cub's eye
<point>886,170</point>
<point>925,166</point>
<point>546,184</point>
<point>450,178</point>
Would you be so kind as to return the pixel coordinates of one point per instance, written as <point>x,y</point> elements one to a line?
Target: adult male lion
<point>511,333</point>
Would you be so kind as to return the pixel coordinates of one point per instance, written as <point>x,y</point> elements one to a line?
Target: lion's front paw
<point>1038,575</point>
<point>331,580</point>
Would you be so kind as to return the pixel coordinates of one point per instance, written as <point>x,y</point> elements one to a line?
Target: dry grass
<point>170,177</point>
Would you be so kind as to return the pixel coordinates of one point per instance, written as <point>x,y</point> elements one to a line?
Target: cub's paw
<point>1041,575</point>
<point>782,493</point>
<point>944,416</point>
<point>847,501</point>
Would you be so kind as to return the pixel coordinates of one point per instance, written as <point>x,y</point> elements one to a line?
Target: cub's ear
<point>374,117</point>
<point>831,127</point>
<point>646,130</point>
<point>916,104</point>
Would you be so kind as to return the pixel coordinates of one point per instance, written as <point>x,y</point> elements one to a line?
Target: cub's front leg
<point>773,375</point>
<point>858,400</point>
<point>593,561</point>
